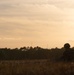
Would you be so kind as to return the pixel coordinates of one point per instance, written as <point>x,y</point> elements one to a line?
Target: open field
<point>36,67</point>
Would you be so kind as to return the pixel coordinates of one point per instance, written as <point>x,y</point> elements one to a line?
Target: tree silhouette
<point>68,53</point>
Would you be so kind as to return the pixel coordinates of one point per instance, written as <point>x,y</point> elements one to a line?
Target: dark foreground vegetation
<point>37,61</point>
<point>30,53</point>
<point>36,67</point>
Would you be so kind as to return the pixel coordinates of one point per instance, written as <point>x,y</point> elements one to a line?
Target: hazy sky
<point>45,23</point>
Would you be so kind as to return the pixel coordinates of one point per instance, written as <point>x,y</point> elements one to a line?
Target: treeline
<point>30,53</point>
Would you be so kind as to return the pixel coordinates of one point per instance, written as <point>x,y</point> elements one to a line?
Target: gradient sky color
<point>45,23</point>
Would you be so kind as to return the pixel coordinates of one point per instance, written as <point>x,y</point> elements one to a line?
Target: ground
<point>36,67</point>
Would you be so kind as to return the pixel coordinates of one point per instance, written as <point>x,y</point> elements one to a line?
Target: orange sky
<point>45,23</point>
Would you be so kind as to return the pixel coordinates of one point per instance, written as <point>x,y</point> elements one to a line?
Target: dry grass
<point>36,67</point>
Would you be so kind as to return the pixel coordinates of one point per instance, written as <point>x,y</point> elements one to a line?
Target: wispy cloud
<point>36,21</point>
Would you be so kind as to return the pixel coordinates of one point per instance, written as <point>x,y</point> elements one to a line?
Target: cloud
<point>62,3</point>
<point>35,21</point>
<point>33,10</point>
<point>20,3</point>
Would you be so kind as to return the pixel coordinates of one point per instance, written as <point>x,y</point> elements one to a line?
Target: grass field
<point>36,67</point>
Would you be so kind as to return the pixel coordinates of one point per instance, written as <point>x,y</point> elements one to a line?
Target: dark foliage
<point>55,54</point>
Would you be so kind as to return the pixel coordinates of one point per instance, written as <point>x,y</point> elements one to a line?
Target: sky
<point>44,23</point>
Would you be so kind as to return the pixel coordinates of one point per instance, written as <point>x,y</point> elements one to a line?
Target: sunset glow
<point>44,23</point>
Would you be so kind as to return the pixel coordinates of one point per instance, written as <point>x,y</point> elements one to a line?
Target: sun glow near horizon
<point>45,23</point>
